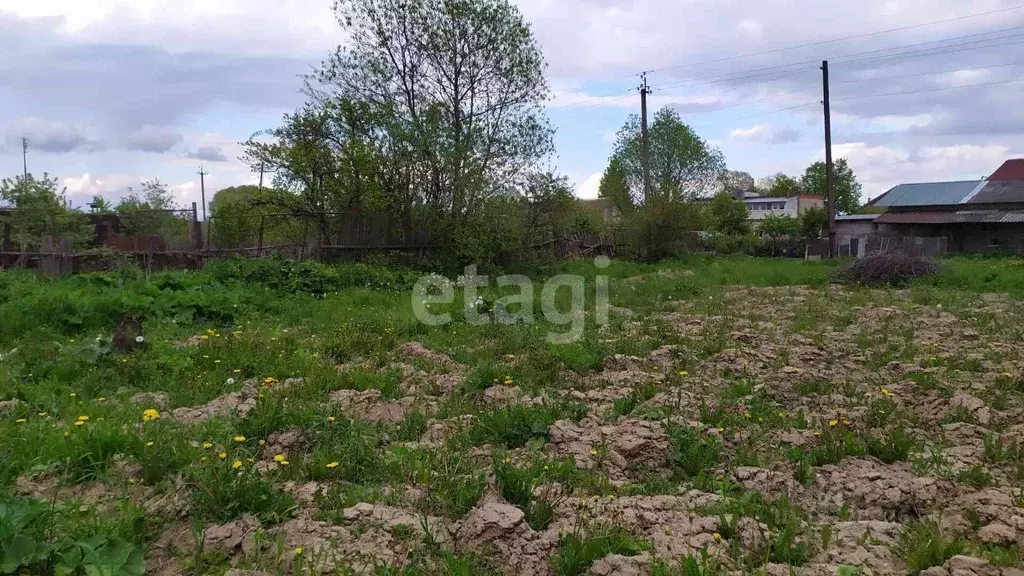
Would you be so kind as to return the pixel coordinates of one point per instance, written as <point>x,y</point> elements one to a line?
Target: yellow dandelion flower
<point>83,418</point>
<point>717,537</point>
<point>236,464</point>
<point>19,421</point>
<point>101,399</point>
<point>149,444</point>
<point>222,455</point>
<point>207,445</point>
<point>79,423</point>
<point>298,551</point>
<point>73,394</point>
<point>593,452</point>
<point>833,422</point>
<point>239,439</point>
<point>204,337</point>
<point>684,373</point>
<point>330,418</point>
<point>251,460</point>
<point>668,530</point>
<point>332,465</point>
<point>283,462</point>
<point>263,442</point>
<point>44,414</point>
<point>150,414</point>
<point>279,458</point>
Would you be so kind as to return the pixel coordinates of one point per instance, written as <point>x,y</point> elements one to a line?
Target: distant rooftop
<point>928,193</point>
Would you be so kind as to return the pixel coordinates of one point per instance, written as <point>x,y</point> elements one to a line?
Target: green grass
<point>923,545</point>
<point>279,319</point>
<point>578,551</point>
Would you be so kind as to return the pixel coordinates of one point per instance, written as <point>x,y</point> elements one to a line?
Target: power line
<point>928,90</point>
<point>843,39</point>
<point>768,70</point>
<point>786,109</point>
<point>937,50</point>
<point>936,72</point>
<point>598,99</point>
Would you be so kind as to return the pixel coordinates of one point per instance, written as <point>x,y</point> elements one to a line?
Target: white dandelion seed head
<point>140,339</point>
<point>231,381</point>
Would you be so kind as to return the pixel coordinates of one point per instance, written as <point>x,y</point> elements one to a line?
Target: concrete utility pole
<point>829,175</point>
<point>645,141</point>
<point>24,157</point>
<point>202,189</point>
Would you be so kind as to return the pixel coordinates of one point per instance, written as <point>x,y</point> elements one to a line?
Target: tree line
<point>432,113</point>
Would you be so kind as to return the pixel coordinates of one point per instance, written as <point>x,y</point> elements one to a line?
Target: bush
<point>888,268</point>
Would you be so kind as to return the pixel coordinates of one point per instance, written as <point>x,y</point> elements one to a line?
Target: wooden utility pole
<point>24,157</point>
<point>830,184</point>
<point>202,189</point>
<point>261,174</point>
<point>644,140</point>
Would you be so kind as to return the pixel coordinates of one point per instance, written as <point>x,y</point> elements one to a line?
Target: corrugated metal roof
<point>999,191</point>
<point>951,217</point>
<point>851,217</point>
<point>1010,170</point>
<point>927,193</point>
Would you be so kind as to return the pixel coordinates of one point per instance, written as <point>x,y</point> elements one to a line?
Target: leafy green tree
<point>39,207</point>
<point>683,165</point>
<point>614,186</point>
<point>780,186</point>
<point>152,211</point>
<point>735,181</point>
<point>100,205</point>
<point>812,222</point>
<point>727,215</point>
<point>778,229</point>
<point>846,186</point>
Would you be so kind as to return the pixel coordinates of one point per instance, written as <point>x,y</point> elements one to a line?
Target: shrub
<point>895,268</point>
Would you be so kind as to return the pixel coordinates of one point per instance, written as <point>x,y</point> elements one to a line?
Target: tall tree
<point>780,186</point>
<point>454,89</point>
<point>614,186</point>
<point>734,181</point>
<point>846,185</point>
<point>683,165</point>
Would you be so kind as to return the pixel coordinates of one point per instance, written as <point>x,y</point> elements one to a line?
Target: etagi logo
<point>515,308</point>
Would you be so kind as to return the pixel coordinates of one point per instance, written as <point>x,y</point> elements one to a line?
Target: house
<point>760,207</point>
<point>973,216</point>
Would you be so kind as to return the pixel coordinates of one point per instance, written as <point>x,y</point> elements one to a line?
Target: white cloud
<point>750,27</point>
<point>766,134</point>
<point>589,187</point>
<point>111,186</point>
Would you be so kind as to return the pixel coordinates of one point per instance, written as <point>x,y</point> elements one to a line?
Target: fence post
<point>259,246</point>
<point>305,234</point>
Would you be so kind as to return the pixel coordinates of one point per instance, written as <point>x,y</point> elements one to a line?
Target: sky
<point>110,93</point>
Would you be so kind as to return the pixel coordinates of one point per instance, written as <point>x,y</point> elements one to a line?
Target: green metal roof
<point>928,193</point>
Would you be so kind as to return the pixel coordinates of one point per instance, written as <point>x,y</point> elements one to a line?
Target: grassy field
<point>736,415</point>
